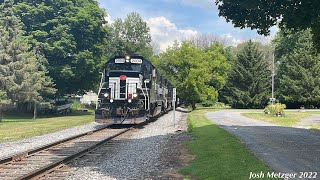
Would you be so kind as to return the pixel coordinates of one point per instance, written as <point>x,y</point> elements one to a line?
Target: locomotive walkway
<point>284,149</point>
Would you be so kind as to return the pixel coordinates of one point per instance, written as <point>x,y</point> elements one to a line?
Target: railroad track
<point>38,162</point>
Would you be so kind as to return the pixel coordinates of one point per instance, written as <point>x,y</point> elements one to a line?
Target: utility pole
<point>272,82</point>
<point>174,98</point>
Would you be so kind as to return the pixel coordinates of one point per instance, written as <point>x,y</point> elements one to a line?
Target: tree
<point>22,76</point>
<point>72,38</point>
<point>197,73</point>
<point>248,84</point>
<point>263,14</point>
<point>131,36</point>
<point>3,102</point>
<point>298,75</point>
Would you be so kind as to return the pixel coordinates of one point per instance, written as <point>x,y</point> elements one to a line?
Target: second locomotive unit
<point>131,91</point>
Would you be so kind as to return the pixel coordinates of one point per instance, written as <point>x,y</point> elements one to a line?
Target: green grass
<point>218,154</point>
<point>290,119</point>
<point>14,127</point>
<point>315,126</point>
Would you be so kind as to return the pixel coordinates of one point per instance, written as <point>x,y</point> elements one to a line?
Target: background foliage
<point>22,73</point>
<point>72,38</point>
<point>248,83</point>
<point>131,36</point>
<point>197,73</point>
<point>299,69</point>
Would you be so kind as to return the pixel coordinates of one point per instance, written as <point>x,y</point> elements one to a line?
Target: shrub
<point>77,105</point>
<point>221,105</point>
<point>275,109</point>
<point>91,105</point>
<point>208,103</point>
<point>215,104</point>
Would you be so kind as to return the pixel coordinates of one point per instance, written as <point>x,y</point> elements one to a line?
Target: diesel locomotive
<point>132,91</point>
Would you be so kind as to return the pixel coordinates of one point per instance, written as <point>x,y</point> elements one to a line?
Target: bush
<point>77,105</point>
<point>275,109</point>
<point>221,105</point>
<point>208,103</point>
<point>91,106</point>
<point>214,104</point>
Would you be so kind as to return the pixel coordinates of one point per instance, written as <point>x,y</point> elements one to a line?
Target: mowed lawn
<point>218,154</point>
<point>15,127</point>
<point>290,119</point>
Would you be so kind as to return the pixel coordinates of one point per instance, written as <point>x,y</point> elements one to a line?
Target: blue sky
<point>171,20</point>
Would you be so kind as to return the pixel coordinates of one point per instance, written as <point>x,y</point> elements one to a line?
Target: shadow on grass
<point>74,113</point>
<point>21,117</point>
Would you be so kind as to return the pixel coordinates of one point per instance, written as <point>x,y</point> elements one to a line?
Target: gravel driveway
<point>284,149</point>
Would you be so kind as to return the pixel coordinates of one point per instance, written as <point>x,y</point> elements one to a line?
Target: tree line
<point>51,48</point>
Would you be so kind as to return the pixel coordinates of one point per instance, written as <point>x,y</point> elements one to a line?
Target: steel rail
<point>22,155</point>
<point>46,169</point>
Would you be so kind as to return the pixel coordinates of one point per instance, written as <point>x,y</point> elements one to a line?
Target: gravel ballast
<point>141,155</point>
<point>15,147</point>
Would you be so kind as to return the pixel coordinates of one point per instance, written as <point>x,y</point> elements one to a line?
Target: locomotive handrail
<point>145,84</point>
<point>100,87</point>
<point>145,98</point>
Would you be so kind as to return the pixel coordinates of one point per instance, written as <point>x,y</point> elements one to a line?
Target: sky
<point>171,20</point>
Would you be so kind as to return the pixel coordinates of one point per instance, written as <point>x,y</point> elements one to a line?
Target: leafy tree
<point>3,102</point>
<point>219,59</point>
<point>248,84</point>
<point>298,72</point>
<point>22,76</point>
<point>71,36</point>
<point>131,36</point>
<point>262,14</point>
<point>197,73</point>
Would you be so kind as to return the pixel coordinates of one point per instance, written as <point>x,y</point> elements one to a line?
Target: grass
<point>14,127</point>
<point>315,126</point>
<point>290,119</point>
<point>218,154</point>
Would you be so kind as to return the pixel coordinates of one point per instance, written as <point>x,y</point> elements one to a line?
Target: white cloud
<point>230,40</point>
<point>108,19</point>
<point>164,33</point>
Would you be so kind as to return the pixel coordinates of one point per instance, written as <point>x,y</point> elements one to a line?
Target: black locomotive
<point>132,91</point>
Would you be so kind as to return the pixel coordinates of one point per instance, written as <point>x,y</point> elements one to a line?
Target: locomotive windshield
<point>124,67</point>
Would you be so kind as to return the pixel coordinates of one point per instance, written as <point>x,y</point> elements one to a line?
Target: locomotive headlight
<point>127,59</point>
<point>129,100</point>
<point>106,95</point>
<point>111,100</point>
<point>135,95</point>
